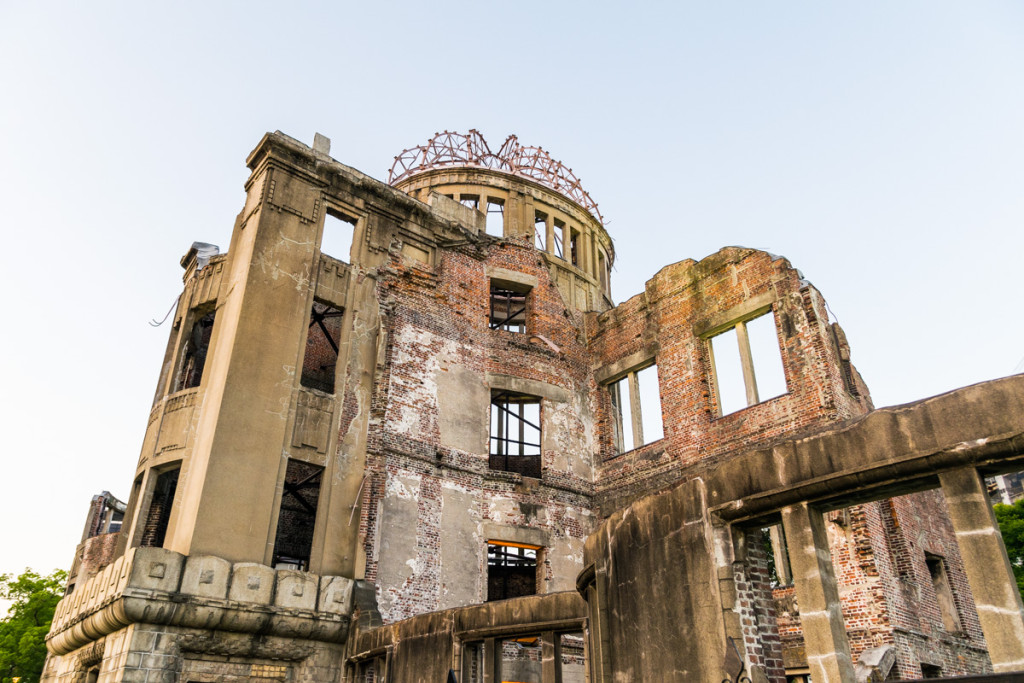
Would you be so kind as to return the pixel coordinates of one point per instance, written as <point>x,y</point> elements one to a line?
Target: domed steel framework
<point>449,149</point>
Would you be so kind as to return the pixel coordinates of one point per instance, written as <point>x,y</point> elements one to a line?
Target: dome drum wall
<point>575,243</point>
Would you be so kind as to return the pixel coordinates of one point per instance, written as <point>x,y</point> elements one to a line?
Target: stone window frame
<point>545,392</point>
<point>608,377</point>
<point>737,318</point>
<point>938,572</point>
<point>317,323</point>
<point>524,548</point>
<point>186,353</point>
<point>510,281</point>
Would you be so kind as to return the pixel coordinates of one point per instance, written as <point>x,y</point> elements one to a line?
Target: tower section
<point>524,194</point>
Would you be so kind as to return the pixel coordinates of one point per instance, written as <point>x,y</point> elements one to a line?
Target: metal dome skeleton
<point>450,149</point>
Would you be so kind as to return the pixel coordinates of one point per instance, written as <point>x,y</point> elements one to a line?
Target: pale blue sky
<point>878,145</point>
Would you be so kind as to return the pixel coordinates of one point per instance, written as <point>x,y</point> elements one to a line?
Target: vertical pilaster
<point>987,566</point>
<point>821,616</point>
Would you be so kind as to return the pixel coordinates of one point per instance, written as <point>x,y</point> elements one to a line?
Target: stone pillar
<point>988,568</point>
<point>821,616</point>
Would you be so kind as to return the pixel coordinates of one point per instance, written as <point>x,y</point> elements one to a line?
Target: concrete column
<point>747,361</point>
<point>634,410</point>
<point>988,568</point>
<point>492,660</point>
<point>828,650</point>
<point>550,656</point>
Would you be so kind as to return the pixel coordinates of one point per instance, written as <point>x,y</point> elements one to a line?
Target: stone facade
<point>351,456</point>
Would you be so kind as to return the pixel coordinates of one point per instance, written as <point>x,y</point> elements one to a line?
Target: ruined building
<point>442,450</point>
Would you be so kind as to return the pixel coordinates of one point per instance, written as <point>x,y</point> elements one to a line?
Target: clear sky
<point>877,145</point>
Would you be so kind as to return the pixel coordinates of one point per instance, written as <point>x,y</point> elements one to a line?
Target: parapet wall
<point>157,586</point>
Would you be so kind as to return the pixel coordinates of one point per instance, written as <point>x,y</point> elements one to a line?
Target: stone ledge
<point>157,586</point>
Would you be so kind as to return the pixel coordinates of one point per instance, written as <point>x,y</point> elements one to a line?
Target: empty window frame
<point>508,307</point>
<point>515,433</point>
<point>602,270</point>
<point>521,659</point>
<point>495,217</point>
<point>574,247</point>
<point>193,353</point>
<point>470,201</point>
<point>511,570</point>
<point>473,662</point>
<point>160,504</point>
<point>293,543</point>
<point>747,364</point>
<point>943,593</point>
<point>636,409</point>
<point>339,234</point>
<point>320,358</point>
<point>559,238</point>
<point>540,231</point>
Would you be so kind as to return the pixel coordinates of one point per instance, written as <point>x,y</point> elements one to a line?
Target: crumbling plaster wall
<point>431,501</point>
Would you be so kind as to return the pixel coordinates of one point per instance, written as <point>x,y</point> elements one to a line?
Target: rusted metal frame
<point>504,407</point>
<point>295,489</point>
<point>454,149</point>
<point>318,317</point>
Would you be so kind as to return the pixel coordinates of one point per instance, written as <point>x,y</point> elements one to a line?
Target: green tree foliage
<point>23,630</point>
<point>1011,525</point>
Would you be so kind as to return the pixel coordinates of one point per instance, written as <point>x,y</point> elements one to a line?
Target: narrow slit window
<point>636,409</point>
<point>515,444</point>
<point>320,359</point>
<point>508,307</point>
<point>495,217</point>
<point>540,231</point>
<point>943,593</point>
<point>339,234</point>
<point>193,357</point>
<point>574,247</point>
<point>293,543</point>
<point>559,238</point>
<point>159,514</point>
<point>602,270</point>
<point>747,364</point>
<point>511,570</point>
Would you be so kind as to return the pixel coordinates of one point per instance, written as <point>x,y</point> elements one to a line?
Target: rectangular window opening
<point>602,270</point>
<point>470,201</point>
<point>521,659</point>
<point>574,247</point>
<point>636,409</point>
<point>943,592</point>
<point>473,662</point>
<point>293,542</point>
<point>732,395</point>
<point>495,217</point>
<point>159,514</point>
<point>509,303</point>
<point>773,539</point>
<point>193,355</point>
<point>339,234</point>
<point>559,238</point>
<point>515,444</point>
<point>511,570</point>
<point>747,364</point>
<point>320,358</point>
<point>540,231</point>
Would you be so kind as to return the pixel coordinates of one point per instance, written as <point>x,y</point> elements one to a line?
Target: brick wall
<point>670,320</point>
